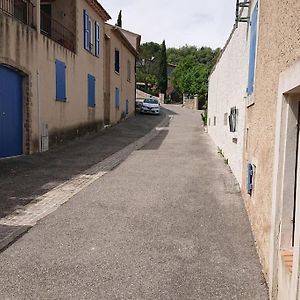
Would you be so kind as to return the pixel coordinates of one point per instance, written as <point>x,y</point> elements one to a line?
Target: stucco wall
<point>278,48</point>
<point>34,54</point>
<point>227,86</point>
<point>119,80</point>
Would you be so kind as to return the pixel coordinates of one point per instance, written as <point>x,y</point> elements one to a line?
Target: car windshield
<point>152,101</point>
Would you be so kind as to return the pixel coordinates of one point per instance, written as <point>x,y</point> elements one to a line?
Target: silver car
<point>150,106</point>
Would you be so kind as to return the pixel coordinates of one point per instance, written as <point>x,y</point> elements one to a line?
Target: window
<point>91,34</point>
<point>60,70</point>
<point>252,56</point>
<point>117,98</point>
<point>91,91</point>
<point>215,121</point>
<point>128,70</point>
<point>233,119</point>
<point>117,60</point>
<point>208,121</point>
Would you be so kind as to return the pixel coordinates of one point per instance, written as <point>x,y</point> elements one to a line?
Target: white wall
<point>227,88</point>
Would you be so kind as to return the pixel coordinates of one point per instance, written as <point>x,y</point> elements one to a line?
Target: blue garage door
<point>11,113</point>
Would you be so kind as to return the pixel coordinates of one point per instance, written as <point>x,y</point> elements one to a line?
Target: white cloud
<point>192,22</point>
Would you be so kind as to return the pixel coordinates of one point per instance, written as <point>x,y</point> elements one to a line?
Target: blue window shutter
<point>97,39</point>
<point>86,29</point>
<point>91,91</point>
<point>249,178</point>
<point>117,98</point>
<point>60,80</point>
<point>252,56</point>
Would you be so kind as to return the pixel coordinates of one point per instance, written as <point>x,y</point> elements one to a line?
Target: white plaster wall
<point>227,88</point>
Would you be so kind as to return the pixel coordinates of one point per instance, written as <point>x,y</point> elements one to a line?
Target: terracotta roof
<point>99,9</point>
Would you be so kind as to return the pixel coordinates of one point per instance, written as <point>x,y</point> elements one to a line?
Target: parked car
<point>150,106</point>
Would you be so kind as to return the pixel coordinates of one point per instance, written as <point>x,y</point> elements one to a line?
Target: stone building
<point>52,72</point>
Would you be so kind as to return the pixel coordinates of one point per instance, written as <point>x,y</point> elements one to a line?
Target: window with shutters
<point>252,54</point>
<point>91,91</point>
<point>60,72</point>
<point>117,61</point>
<point>92,34</point>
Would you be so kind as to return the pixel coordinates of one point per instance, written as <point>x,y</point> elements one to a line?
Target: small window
<point>91,91</point>
<point>215,121</point>
<point>117,98</point>
<point>208,121</point>
<point>117,60</point>
<point>128,70</point>
<point>60,70</point>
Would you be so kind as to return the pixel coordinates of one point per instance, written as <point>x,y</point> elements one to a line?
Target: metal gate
<point>11,113</point>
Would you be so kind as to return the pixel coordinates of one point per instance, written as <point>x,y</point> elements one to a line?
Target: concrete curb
<point>21,220</point>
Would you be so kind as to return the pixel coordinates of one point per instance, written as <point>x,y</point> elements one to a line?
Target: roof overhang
<point>98,8</point>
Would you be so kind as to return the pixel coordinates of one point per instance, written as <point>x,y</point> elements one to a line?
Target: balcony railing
<point>22,10</point>
<point>57,32</point>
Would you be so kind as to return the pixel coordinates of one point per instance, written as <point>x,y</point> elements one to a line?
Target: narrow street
<point>168,223</point>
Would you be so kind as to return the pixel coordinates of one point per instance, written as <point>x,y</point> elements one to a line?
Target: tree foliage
<point>163,69</point>
<point>189,77</point>
<point>148,66</point>
<point>193,68</point>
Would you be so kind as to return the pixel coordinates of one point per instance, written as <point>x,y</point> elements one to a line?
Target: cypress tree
<point>119,22</point>
<point>163,69</point>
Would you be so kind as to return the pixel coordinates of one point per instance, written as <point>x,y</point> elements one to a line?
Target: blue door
<point>11,113</point>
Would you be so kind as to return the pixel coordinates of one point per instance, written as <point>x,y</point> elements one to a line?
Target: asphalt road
<point>168,223</point>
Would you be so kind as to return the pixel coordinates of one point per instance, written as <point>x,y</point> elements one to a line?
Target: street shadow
<point>24,178</point>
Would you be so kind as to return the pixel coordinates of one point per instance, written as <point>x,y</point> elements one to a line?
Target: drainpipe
<point>39,109</point>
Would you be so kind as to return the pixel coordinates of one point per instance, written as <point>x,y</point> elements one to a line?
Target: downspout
<point>39,110</point>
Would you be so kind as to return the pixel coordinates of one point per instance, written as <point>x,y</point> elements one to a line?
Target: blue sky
<point>192,22</point>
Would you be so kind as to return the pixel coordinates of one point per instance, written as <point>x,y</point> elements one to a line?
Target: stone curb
<point>21,220</point>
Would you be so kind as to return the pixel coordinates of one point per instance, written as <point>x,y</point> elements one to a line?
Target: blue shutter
<point>97,39</point>
<point>91,91</point>
<point>86,30</point>
<point>60,80</point>
<point>249,178</point>
<point>117,98</point>
<point>252,56</point>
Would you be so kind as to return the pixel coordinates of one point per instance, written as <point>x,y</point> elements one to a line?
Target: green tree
<point>148,67</point>
<point>119,21</point>
<point>163,69</point>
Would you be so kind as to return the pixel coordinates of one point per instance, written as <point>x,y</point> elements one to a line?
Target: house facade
<point>271,162</point>
<point>226,98</point>
<point>121,48</point>
<point>264,72</point>
<point>52,72</point>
